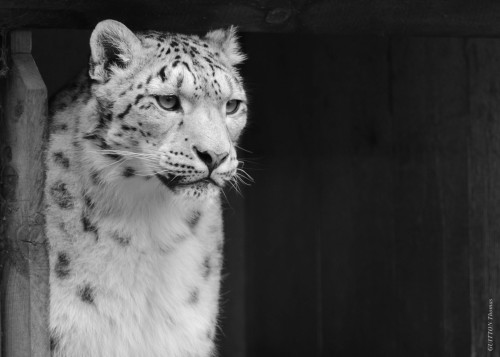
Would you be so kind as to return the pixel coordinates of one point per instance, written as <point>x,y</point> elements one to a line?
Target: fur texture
<point>132,190</point>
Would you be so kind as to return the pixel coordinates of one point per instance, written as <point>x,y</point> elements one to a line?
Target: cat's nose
<point>210,158</point>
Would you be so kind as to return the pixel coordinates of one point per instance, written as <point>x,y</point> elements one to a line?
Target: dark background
<point>372,228</point>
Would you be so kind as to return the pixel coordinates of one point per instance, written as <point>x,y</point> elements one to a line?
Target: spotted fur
<point>133,208</point>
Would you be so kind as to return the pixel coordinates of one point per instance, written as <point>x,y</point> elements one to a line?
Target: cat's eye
<point>232,106</point>
<point>168,102</point>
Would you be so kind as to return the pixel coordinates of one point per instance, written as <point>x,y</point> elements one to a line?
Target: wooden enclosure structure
<point>373,225</point>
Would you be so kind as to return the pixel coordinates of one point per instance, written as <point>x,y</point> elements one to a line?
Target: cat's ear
<point>227,41</point>
<point>112,46</point>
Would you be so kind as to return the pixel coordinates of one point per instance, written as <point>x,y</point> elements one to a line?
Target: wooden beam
<point>484,192</point>
<point>25,287</point>
<point>380,17</point>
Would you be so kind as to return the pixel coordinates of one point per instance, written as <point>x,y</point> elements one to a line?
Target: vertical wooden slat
<point>417,264</point>
<point>281,249</point>
<point>431,126</point>
<point>25,275</point>
<point>449,121</point>
<point>483,57</point>
<point>353,183</point>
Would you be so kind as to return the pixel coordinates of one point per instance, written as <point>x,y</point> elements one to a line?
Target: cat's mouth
<point>177,182</point>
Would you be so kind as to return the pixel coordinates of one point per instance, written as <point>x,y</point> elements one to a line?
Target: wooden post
<point>25,263</point>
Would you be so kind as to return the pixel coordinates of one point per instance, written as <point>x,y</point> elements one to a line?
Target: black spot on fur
<point>194,296</point>
<point>149,79</point>
<point>104,145</point>
<point>125,112</point>
<point>115,157</point>
<point>165,180</point>
<point>207,269</point>
<point>128,172</point>
<point>87,293</point>
<point>54,341</point>
<point>121,239</point>
<point>60,159</point>
<point>88,226</point>
<point>194,219</point>
<point>91,136</point>
<point>88,201</point>
<point>62,266</point>
<point>161,73</point>
<point>95,178</point>
<point>180,80</point>
<point>189,69</point>
<point>61,195</point>
<point>138,98</point>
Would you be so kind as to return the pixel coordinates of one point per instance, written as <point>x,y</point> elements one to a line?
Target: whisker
<point>235,186</point>
<point>243,174</point>
<point>239,147</point>
<point>227,199</point>
<point>239,179</point>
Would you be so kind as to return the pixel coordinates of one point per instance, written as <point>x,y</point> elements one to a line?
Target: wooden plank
<point>67,57</point>
<point>25,274</point>
<point>381,17</point>
<point>353,175</point>
<point>483,57</point>
<point>281,245</point>
<point>431,203</point>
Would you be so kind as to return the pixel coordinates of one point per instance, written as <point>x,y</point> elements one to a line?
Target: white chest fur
<point>141,284</point>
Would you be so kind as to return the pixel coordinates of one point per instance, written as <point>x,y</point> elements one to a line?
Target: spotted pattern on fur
<point>207,268</point>
<point>61,195</point>
<point>194,219</point>
<point>62,265</point>
<point>121,239</point>
<point>134,218</point>
<point>54,341</point>
<point>61,159</point>
<point>86,294</point>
